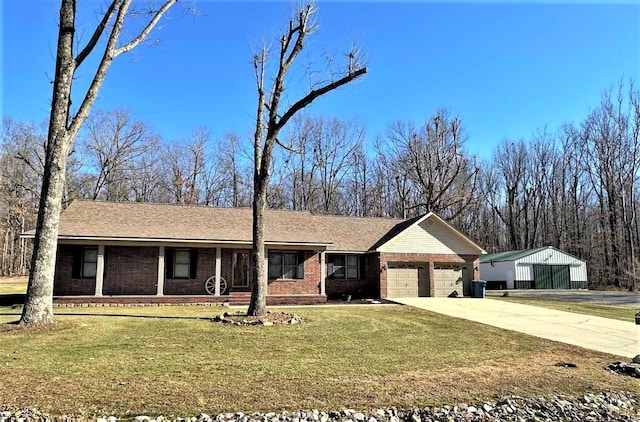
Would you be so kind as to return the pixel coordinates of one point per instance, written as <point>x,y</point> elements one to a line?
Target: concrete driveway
<point>591,332</point>
<point>586,296</point>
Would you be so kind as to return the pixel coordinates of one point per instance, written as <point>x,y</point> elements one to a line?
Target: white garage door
<point>407,280</point>
<point>447,278</point>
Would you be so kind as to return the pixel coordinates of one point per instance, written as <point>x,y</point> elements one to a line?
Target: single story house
<point>540,268</point>
<point>140,251</point>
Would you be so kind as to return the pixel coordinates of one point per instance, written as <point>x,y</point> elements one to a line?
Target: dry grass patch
<point>13,285</point>
<point>623,313</point>
<point>174,361</point>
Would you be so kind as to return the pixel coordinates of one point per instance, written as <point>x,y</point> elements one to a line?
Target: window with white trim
<point>181,263</point>
<point>85,262</point>
<point>286,264</point>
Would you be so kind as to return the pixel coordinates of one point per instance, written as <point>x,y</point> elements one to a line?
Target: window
<point>288,265</point>
<point>344,266</point>
<point>85,262</point>
<point>181,263</point>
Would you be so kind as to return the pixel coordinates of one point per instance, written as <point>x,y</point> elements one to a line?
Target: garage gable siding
<point>429,236</point>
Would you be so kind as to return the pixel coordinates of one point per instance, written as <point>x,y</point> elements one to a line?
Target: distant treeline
<point>575,188</point>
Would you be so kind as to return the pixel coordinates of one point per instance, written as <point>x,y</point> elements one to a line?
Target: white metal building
<point>541,268</point>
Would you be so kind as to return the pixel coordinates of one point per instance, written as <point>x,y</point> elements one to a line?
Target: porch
<point>232,299</point>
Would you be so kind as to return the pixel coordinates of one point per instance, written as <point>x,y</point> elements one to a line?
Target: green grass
<point>171,361</point>
<point>13,285</point>
<point>623,313</point>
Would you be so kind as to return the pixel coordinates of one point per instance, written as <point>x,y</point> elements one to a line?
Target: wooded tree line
<point>575,188</point>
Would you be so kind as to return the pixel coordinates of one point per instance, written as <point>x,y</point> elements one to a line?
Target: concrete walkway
<point>602,334</point>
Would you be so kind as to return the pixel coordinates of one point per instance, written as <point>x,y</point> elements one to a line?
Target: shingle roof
<point>510,255</point>
<point>143,221</point>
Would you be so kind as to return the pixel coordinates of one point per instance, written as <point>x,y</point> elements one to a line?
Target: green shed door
<point>542,277</point>
<point>561,277</point>
<point>551,277</point>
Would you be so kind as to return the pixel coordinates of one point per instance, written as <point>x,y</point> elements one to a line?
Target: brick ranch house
<point>138,252</point>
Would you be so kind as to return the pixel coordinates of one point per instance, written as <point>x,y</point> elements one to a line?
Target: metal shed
<point>540,268</point>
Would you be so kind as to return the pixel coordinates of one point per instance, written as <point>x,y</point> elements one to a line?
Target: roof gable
<point>428,234</point>
<point>520,254</point>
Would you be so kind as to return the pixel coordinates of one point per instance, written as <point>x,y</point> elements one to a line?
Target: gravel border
<point>605,406</point>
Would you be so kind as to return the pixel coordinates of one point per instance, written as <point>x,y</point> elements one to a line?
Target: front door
<point>241,270</point>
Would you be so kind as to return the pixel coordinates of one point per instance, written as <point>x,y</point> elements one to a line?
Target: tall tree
<point>63,128</point>
<point>270,121</point>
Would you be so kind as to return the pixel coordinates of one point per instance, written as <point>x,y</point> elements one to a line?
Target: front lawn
<point>13,285</point>
<point>173,361</point>
<point>623,313</point>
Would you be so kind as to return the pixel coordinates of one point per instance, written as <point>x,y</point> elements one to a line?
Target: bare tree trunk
<point>269,125</point>
<point>63,128</point>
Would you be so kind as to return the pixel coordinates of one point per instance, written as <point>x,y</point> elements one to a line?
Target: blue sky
<point>506,68</point>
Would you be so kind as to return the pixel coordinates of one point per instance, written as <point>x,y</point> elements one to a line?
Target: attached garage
<point>407,280</point>
<point>449,278</point>
<point>424,257</point>
<point>540,268</point>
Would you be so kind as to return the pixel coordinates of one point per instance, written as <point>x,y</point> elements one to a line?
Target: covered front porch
<point>212,273</point>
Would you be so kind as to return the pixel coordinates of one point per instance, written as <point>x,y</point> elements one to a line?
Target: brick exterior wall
<point>64,284</point>
<point>130,270</point>
<point>205,268</point>
<point>310,285</point>
<point>133,270</point>
<point>429,259</point>
<point>366,286</point>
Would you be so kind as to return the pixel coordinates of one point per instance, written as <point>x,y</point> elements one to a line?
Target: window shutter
<point>361,269</point>
<point>300,269</point>
<point>168,262</point>
<point>76,265</point>
<point>193,261</point>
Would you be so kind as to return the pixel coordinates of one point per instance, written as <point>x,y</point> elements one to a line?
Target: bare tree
<point>270,121</point>
<point>63,128</point>
<point>431,163</point>
<point>333,152</point>
<point>114,146</point>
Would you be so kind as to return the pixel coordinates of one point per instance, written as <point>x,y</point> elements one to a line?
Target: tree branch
<point>97,33</point>
<point>145,32</point>
<point>311,96</point>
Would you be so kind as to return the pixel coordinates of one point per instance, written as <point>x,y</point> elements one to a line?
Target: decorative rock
<point>606,406</point>
<point>636,359</point>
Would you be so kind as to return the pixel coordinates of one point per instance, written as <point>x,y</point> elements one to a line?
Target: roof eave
<point>431,214</point>
<point>320,244</point>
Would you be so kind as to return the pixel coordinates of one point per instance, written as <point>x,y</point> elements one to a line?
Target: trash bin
<point>479,287</point>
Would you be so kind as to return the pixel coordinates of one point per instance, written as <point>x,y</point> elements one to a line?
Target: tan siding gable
<point>429,236</point>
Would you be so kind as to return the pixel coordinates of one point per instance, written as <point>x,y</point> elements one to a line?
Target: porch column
<point>100,270</point>
<point>160,284</point>
<point>323,274</point>
<point>266,267</point>
<point>218,270</point>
